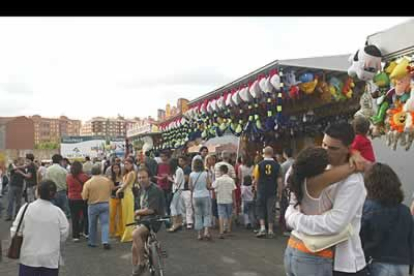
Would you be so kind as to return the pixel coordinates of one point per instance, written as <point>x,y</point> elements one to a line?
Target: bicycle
<point>154,254</point>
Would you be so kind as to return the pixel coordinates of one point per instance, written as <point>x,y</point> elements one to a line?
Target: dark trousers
<point>37,271</point>
<point>168,198</point>
<point>79,214</point>
<point>362,272</point>
<point>14,197</point>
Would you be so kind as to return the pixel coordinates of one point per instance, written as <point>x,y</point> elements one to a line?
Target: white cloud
<point>83,67</point>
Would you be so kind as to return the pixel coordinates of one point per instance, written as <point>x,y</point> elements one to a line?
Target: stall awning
<point>338,63</point>
<point>396,41</point>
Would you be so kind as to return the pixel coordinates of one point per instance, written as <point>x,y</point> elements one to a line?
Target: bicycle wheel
<point>156,261</point>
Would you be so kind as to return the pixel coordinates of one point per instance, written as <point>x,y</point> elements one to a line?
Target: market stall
<point>285,103</point>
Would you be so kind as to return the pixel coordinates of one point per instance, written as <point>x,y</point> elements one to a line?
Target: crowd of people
<point>335,192</point>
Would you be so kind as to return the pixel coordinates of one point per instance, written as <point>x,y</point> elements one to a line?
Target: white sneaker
<point>75,240</point>
<point>261,233</point>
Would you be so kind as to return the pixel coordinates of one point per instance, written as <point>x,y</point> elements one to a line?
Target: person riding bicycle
<point>151,204</point>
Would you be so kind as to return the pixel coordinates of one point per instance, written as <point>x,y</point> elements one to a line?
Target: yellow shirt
<point>97,189</point>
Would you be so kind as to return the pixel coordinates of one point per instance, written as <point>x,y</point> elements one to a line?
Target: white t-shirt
<point>179,180</point>
<point>245,171</point>
<point>217,173</point>
<point>224,187</point>
<point>247,193</point>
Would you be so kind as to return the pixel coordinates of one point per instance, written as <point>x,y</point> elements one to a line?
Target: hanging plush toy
<point>347,89</point>
<point>335,87</point>
<point>289,81</point>
<point>397,121</point>
<point>367,106</point>
<point>324,91</point>
<point>409,130</point>
<point>365,63</point>
<point>401,79</point>
<point>308,83</point>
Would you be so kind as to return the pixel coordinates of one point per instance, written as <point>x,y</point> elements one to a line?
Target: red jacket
<point>75,185</point>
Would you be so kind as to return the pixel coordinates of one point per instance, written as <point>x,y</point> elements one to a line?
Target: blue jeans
<point>61,201</point>
<point>384,269</point>
<point>225,210</point>
<point>14,196</point>
<point>202,212</point>
<point>298,263</point>
<point>101,211</point>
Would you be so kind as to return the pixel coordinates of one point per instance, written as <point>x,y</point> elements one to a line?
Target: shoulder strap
<point>198,177</point>
<point>21,219</point>
<point>80,181</point>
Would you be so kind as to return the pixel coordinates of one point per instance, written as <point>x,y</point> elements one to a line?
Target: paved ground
<point>239,255</point>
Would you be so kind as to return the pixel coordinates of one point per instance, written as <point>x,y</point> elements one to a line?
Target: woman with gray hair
<point>44,227</point>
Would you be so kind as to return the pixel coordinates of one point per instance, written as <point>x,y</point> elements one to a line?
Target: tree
<point>47,146</point>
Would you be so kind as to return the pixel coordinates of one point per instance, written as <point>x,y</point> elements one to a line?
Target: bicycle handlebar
<point>150,219</point>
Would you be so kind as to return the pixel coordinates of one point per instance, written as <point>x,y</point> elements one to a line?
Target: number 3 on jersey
<point>268,169</point>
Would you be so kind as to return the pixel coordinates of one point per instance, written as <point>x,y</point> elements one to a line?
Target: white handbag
<point>319,243</point>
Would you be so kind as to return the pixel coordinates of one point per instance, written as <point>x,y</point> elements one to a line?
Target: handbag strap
<point>197,178</point>
<point>80,181</point>
<point>21,219</point>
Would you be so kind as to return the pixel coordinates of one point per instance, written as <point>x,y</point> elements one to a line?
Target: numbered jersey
<point>269,171</point>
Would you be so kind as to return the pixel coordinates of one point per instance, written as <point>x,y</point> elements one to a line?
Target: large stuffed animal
<point>365,63</point>
<point>401,79</point>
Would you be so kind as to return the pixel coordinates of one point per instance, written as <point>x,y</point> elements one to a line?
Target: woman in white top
<point>178,181</point>
<point>44,227</point>
<point>307,182</point>
<point>200,185</point>
<point>245,169</point>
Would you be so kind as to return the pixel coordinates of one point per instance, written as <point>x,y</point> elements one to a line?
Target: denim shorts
<point>225,210</point>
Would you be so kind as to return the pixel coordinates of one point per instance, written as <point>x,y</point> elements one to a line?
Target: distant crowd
<point>341,209</point>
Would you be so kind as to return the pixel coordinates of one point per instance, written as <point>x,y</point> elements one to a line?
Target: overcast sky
<point>83,67</point>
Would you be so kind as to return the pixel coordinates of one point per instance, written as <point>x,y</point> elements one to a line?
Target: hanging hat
<point>245,95</point>
<point>210,107</point>
<point>275,80</point>
<point>255,90</point>
<point>236,99</point>
<point>229,101</point>
<point>262,83</point>
<point>221,102</point>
